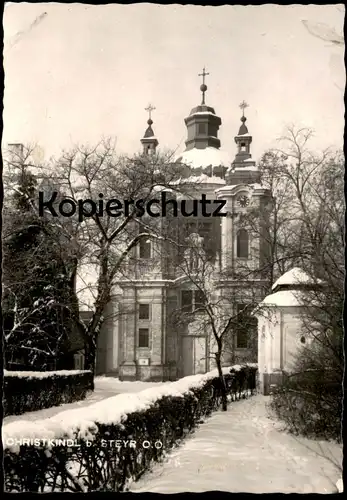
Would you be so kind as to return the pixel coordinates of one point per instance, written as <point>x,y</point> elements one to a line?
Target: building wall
<point>292,327</point>
<point>107,343</point>
<point>132,356</point>
<point>279,332</point>
<point>172,334</point>
<point>100,367</point>
<point>170,353</point>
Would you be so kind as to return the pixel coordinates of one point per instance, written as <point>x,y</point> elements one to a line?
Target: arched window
<point>201,128</point>
<point>145,249</point>
<point>242,244</point>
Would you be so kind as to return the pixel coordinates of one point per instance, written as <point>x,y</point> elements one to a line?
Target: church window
<point>243,146</point>
<point>204,228</point>
<point>187,300</point>
<point>143,311</point>
<point>241,329</point>
<point>199,299</point>
<point>246,326</point>
<point>201,129</point>
<point>145,249</point>
<point>205,231</point>
<point>242,338</point>
<point>212,130</point>
<point>192,300</point>
<point>191,227</point>
<point>143,337</point>
<point>242,244</point>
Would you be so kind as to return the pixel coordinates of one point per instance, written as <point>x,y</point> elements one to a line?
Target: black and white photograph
<point>173,248</point>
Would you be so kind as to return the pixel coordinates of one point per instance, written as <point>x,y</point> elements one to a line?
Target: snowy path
<point>243,450</point>
<point>105,387</point>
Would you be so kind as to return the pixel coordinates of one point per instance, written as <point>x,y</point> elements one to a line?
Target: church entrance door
<point>187,355</point>
<point>193,354</point>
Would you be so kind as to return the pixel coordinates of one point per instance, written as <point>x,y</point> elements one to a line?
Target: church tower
<point>247,202</point>
<point>243,169</point>
<point>202,124</point>
<point>203,153</point>
<point>243,139</point>
<point>244,239</point>
<point>149,141</point>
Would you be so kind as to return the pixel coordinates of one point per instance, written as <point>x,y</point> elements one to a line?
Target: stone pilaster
<point>128,368</point>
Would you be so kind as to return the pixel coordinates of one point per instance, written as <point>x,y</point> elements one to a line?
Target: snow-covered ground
<point>243,450</point>
<point>105,387</point>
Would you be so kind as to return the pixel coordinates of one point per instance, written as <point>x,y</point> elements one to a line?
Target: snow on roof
<point>159,189</point>
<point>256,186</point>
<point>295,276</point>
<point>203,113</point>
<point>286,298</point>
<point>200,179</point>
<point>248,168</point>
<point>205,179</point>
<point>205,157</point>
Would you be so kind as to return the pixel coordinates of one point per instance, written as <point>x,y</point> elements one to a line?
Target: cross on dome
<point>203,86</point>
<point>243,106</point>
<point>150,108</point>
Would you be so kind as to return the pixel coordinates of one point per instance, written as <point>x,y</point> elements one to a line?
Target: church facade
<point>143,336</point>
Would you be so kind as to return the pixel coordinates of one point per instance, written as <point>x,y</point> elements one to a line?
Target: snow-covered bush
<point>114,441</point>
<point>31,391</point>
<point>310,403</point>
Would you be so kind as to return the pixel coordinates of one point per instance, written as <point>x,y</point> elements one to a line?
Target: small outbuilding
<point>280,326</point>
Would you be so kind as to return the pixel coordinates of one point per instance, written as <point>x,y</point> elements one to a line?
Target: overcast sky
<point>82,72</point>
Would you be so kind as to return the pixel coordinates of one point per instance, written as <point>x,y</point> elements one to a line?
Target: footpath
<point>243,450</point>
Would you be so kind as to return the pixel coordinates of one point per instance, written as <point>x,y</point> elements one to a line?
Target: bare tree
<point>314,217</point>
<point>213,313</point>
<point>104,237</point>
<point>299,181</point>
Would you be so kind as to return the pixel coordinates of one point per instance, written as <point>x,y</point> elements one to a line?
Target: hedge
<point>31,391</point>
<point>310,404</point>
<point>99,455</point>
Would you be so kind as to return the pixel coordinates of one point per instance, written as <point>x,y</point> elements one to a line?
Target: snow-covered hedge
<point>104,446</point>
<point>31,391</point>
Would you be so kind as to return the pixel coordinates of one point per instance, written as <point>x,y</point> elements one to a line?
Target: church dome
<point>203,110</point>
<point>203,158</point>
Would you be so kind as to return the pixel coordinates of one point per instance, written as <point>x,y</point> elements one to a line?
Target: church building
<point>143,339</point>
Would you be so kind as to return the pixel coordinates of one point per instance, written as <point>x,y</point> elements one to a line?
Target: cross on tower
<point>203,86</point>
<point>203,74</point>
<point>243,106</point>
<point>150,108</point>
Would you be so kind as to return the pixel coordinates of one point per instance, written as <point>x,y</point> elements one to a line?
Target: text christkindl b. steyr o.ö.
<point>154,207</point>
<point>74,443</point>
